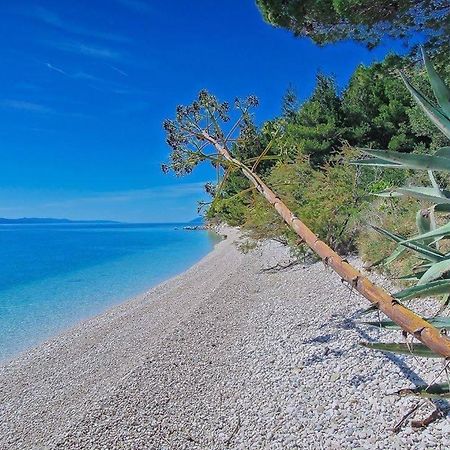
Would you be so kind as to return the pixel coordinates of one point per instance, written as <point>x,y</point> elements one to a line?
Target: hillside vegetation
<point>306,154</point>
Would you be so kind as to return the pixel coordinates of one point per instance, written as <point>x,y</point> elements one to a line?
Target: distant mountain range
<point>25,220</point>
<point>49,220</point>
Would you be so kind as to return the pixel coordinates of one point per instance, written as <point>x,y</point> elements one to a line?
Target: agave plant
<point>432,275</point>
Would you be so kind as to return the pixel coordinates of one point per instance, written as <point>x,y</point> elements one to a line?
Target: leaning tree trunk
<point>402,316</point>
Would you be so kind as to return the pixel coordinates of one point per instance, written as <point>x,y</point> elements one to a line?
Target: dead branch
<point>423,423</point>
<point>409,321</point>
<point>281,267</point>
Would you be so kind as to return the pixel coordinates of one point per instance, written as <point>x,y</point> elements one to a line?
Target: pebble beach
<point>225,355</point>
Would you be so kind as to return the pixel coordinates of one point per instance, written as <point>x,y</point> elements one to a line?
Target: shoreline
<point>220,356</point>
<point>95,297</point>
<point>33,365</point>
<point>86,322</point>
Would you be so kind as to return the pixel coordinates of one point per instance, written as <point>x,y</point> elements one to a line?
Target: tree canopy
<point>366,21</point>
<point>374,110</point>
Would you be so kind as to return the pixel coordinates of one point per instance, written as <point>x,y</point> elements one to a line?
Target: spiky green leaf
<point>423,221</point>
<point>424,290</point>
<point>424,250</point>
<point>370,309</point>
<point>441,91</point>
<point>438,322</point>
<point>421,193</point>
<point>398,251</point>
<point>435,271</point>
<point>411,276</point>
<point>378,162</point>
<point>410,160</point>
<point>403,349</point>
<point>434,183</point>
<point>433,234</point>
<point>443,152</point>
<point>434,114</point>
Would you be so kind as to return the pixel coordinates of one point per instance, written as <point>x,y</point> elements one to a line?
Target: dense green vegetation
<point>308,149</point>
<point>363,20</point>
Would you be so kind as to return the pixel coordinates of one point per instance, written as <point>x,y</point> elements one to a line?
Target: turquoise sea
<point>52,276</point>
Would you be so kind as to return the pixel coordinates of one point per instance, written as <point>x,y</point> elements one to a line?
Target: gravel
<point>222,356</point>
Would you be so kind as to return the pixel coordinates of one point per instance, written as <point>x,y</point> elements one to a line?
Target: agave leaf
<point>438,322</point>
<point>423,222</point>
<point>404,349</point>
<point>410,277</point>
<point>419,192</point>
<point>428,252</point>
<point>375,162</point>
<point>441,91</point>
<point>379,262</point>
<point>438,390</point>
<point>433,234</point>
<point>422,267</point>
<point>434,242</point>
<point>445,302</point>
<point>398,251</point>
<point>424,290</point>
<point>434,114</point>
<point>389,193</point>
<point>434,183</point>
<point>411,160</point>
<point>435,271</point>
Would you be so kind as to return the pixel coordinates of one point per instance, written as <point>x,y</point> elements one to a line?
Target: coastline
<point>222,355</point>
<point>54,365</point>
<point>71,273</point>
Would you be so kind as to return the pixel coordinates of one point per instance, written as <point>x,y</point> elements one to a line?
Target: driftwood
<point>409,321</point>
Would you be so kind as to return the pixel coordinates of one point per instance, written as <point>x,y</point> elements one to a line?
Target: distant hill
<point>36,220</point>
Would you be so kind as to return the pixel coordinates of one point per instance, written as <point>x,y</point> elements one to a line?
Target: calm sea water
<point>52,276</point>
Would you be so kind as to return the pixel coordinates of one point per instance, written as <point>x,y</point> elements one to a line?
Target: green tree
<point>329,200</point>
<point>315,129</point>
<point>363,20</point>
<point>375,106</point>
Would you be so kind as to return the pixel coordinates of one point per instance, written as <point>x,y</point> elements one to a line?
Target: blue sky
<point>85,86</point>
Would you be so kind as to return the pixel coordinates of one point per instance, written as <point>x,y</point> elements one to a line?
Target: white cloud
<point>56,69</point>
<point>54,20</point>
<point>32,107</point>
<point>22,105</point>
<point>77,75</point>
<point>123,73</point>
<point>87,50</point>
<point>100,84</point>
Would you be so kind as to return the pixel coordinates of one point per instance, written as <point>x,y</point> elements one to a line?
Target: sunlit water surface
<point>52,276</point>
